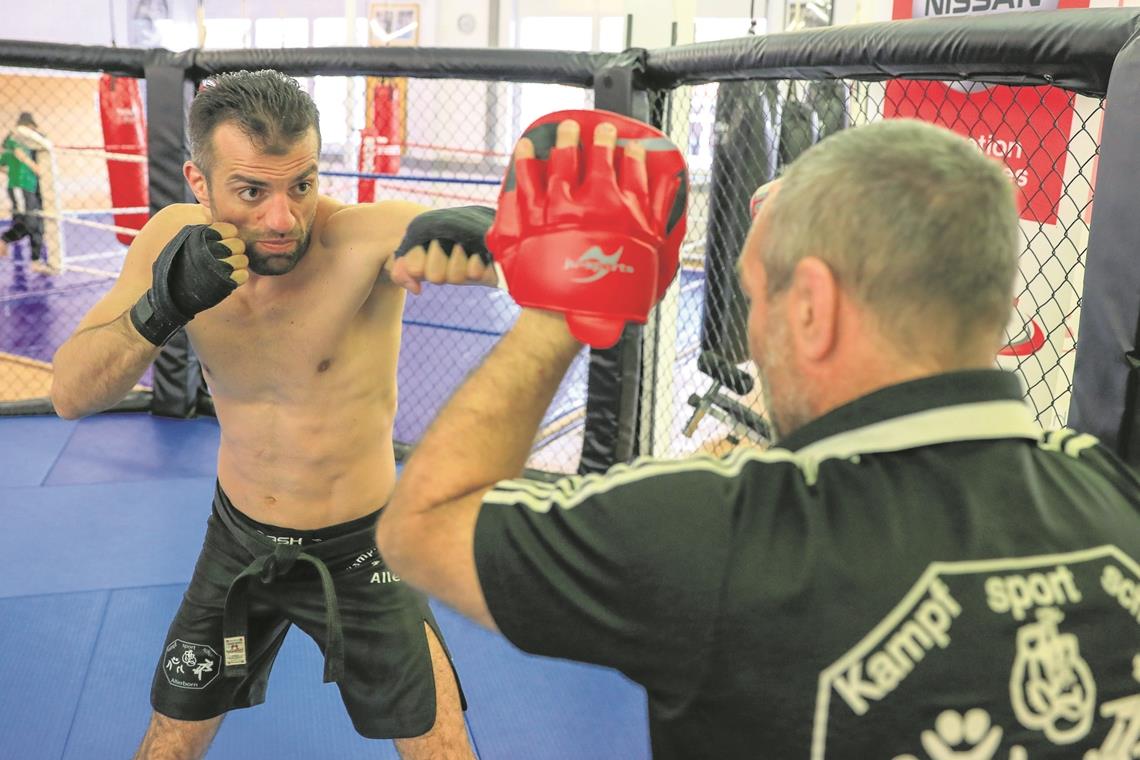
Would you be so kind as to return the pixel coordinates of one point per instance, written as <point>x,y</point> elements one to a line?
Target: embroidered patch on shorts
<point>235,650</point>
<point>190,666</point>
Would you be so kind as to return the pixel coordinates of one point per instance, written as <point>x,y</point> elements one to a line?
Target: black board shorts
<point>375,620</point>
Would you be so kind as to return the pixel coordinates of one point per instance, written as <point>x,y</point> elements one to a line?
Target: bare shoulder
<point>383,222</point>
<point>157,232</point>
<point>135,276</point>
<point>181,214</point>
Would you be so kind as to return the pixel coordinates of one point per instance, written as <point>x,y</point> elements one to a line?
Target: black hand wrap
<point>465,225</point>
<point>189,277</point>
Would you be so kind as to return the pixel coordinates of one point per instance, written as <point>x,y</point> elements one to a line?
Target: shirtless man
<point>286,297</point>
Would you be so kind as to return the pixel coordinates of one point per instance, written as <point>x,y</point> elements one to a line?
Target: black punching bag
<point>744,157</point>
<point>813,111</point>
<point>828,99</point>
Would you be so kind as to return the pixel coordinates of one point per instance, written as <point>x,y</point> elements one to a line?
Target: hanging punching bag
<point>379,141</point>
<point>124,131</point>
<point>744,157</point>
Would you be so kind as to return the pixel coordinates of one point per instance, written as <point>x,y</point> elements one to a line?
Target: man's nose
<point>279,214</point>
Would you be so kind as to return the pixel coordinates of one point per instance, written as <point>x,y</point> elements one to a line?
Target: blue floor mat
<point>46,648</point>
<point>128,447</point>
<point>81,690</point>
<point>301,717</point>
<point>93,566</point>
<point>29,448</point>
<point>521,706</point>
<point>110,535</point>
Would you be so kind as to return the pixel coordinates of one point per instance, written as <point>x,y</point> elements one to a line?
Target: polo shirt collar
<point>954,406</point>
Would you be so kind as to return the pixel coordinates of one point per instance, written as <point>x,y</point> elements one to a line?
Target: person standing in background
<point>18,160</point>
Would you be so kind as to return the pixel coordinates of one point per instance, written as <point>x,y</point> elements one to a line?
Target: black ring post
<point>169,90</point>
<point>614,383</point>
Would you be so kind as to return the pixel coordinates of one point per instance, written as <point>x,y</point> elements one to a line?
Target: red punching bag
<point>379,141</point>
<point>124,131</point>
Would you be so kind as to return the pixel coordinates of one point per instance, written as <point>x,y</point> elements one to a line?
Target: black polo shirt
<point>921,573</point>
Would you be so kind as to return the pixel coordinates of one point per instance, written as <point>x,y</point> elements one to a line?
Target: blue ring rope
<point>415,178</point>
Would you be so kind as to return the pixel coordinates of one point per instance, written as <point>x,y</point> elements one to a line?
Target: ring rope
<point>95,256</point>
<point>433,193</point>
<point>100,153</point>
<point>449,149</point>
<point>97,211</point>
<point>414,178</point>
<point>69,267</point>
<point>85,223</point>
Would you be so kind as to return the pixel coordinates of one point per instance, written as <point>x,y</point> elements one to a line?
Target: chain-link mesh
<point>62,251</point>
<point>704,394</point>
<point>446,143</point>
<point>436,142</point>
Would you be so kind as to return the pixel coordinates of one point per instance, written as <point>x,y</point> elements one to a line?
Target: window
<point>709,28</point>
<point>556,32</point>
<point>551,33</point>
<point>611,34</point>
<point>175,36</point>
<point>225,33</point>
<point>281,32</point>
<point>332,32</point>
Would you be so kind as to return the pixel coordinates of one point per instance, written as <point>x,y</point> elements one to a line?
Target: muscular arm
<point>381,228</point>
<point>483,435</point>
<point>376,227</point>
<point>105,356</point>
<point>98,366</point>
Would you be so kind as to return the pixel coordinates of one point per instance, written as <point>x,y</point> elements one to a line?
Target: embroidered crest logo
<point>189,666</point>
<point>1016,658</point>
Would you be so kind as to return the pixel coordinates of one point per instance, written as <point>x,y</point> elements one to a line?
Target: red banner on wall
<point>1026,128</point>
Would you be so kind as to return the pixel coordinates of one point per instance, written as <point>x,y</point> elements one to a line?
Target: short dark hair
<point>269,107</point>
<point>26,120</point>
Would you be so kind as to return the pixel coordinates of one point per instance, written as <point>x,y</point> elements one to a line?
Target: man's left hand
<point>445,246</point>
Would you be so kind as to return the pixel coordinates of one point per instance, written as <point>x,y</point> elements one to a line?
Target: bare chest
<point>293,342</point>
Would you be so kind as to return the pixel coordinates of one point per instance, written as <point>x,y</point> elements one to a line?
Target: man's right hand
<point>195,271</point>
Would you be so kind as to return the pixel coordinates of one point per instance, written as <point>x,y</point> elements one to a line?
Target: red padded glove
<point>597,239</point>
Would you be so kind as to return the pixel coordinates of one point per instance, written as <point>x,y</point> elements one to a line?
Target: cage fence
<point>705,395</point>
<point>443,141</point>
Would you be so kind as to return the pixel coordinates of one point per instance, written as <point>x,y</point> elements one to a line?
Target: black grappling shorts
<point>253,581</point>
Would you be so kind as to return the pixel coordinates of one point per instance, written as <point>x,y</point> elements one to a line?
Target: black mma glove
<point>189,277</point>
<point>465,225</point>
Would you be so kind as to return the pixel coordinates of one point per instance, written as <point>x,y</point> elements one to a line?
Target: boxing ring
<point>104,515</point>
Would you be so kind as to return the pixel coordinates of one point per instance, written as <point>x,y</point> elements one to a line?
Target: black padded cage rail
<point>1091,52</point>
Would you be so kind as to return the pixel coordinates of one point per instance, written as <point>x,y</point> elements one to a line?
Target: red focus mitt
<point>589,231</point>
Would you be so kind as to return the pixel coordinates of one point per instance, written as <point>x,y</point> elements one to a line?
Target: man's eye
<point>304,187</point>
<point>249,193</point>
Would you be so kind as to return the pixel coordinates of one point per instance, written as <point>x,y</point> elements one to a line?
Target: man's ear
<point>197,182</point>
<point>814,307</point>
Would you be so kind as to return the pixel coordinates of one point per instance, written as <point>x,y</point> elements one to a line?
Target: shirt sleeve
<point>623,570</point>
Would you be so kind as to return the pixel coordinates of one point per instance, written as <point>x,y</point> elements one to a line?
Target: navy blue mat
<point>80,690</point>
<point>93,565</point>
<point>111,535</point>
<point>301,718</point>
<point>30,446</point>
<point>117,448</point>
<point>537,708</point>
<point>46,650</point>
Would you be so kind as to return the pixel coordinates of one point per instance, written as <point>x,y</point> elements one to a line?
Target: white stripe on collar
<point>983,420</point>
<point>964,422</point>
